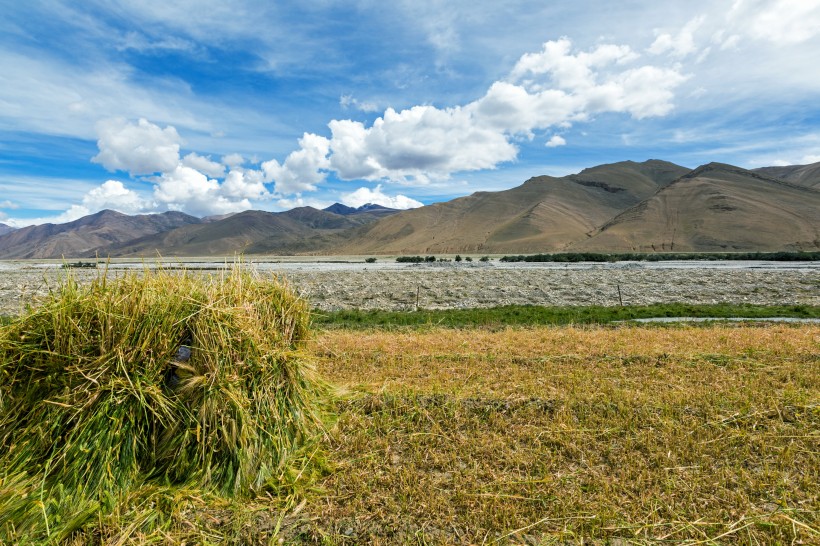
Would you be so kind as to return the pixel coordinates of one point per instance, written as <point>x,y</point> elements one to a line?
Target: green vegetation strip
<point>665,256</point>
<point>522,315</point>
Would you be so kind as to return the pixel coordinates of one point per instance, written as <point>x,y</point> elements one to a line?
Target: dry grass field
<point>695,435</point>
<point>618,434</point>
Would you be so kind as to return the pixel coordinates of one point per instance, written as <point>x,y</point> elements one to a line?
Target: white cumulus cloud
<point>555,141</point>
<point>302,169</point>
<point>554,87</point>
<point>778,21</point>
<point>417,142</point>
<point>141,148</point>
<point>194,184</point>
<point>189,190</point>
<point>551,88</point>
<point>680,45</point>
<point>233,160</point>
<point>363,196</point>
<point>245,184</point>
<point>594,82</point>
<point>299,201</point>
<point>204,165</point>
<point>510,109</point>
<point>113,194</point>
<point>570,71</point>
<point>74,212</point>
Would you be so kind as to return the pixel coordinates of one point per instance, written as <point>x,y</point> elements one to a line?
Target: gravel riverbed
<point>442,286</point>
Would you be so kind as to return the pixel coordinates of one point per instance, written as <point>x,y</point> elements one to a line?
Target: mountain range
<point>653,206</point>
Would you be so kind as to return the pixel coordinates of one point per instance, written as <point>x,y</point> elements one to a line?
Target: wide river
<point>344,283</point>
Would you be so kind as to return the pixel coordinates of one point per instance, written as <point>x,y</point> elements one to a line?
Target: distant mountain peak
<point>373,206</point>
<point>722,170</point>
<point>338,208</point>
<point>804,175</point>
<point>344,210</point>
<point>711,166</point>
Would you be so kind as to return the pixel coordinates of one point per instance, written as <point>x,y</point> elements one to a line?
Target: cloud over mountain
<point>552,87</point>
<point>193,109</point>
<point>363,196</point>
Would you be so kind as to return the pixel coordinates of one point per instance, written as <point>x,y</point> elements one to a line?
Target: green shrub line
<point>528,315</point>
<point>415,259</point>
<point>525,315</point>
<point>664,256</point>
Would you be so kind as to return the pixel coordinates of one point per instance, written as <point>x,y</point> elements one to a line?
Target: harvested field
<point>528,434</point>
<point>545,435</point>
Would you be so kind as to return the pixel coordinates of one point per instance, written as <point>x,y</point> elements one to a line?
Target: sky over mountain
<point>212,107</point>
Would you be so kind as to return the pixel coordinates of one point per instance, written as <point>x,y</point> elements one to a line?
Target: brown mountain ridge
<point>543,214</point>
<point>716,207</point>
<point>249,232</point>
<point>78,238</point>
<point>653,206</point>
<point>804,175</point>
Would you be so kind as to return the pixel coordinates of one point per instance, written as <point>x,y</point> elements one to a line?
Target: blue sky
<point>212,107</point>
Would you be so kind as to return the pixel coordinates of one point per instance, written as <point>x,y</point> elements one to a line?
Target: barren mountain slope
<point>544,213</point>
<point>80,237</point>
<point>804,175</point>
<point>716,207</point>
<point>239,233</point>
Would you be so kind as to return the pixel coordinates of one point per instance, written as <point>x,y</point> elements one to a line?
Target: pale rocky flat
<point>452,286</point>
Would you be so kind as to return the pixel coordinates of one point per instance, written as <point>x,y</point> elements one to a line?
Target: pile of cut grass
<point>147,381</point>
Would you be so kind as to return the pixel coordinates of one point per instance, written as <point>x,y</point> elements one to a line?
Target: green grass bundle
<point>172,378</point>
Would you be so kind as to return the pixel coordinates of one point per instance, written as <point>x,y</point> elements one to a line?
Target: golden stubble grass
<point>536,435</point>
<point>526,361</point>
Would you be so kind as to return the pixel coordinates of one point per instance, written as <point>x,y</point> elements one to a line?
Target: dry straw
<point>170,378</point>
